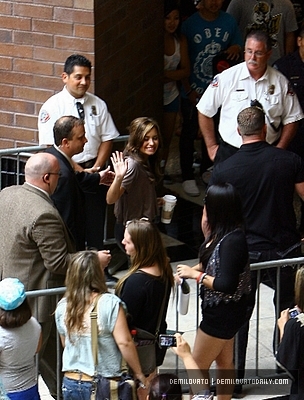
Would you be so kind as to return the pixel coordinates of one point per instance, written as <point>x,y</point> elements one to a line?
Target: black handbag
<point>120,388</point>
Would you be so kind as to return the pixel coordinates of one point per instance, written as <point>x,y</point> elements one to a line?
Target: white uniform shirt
<point>99,125</point>
<point>234,89</point>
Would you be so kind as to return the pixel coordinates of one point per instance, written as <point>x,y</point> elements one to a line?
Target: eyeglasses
<point>80,110</point>
<point>143,219</point>
<point>55,173</point>
<point>257,54</point>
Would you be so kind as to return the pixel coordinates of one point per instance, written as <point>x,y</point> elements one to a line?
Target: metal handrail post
<point>257,333</point>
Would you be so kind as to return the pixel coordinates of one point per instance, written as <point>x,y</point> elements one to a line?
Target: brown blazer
<point>35,244</point>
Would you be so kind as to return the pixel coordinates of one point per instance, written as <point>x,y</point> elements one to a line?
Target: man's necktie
<point>80,110</point>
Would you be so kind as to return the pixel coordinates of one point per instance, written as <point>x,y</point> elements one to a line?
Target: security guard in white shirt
<point>251,83</point>
<point>100,131</point>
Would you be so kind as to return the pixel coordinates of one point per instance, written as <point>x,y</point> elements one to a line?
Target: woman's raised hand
<point>120,164</point>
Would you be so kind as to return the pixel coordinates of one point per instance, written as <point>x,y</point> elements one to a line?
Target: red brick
<point>48,54</point>
<point>31,142</point>
<point>61,28</point>
<point>29,65</point>
<point>6,144</point>
<point>72,15</point>
<point>33,11</point>
<point>17,133</point>
<point>23,1</point>
<point>32,94</point>
<point>6,36</point>
<point>11,50</point>
<point>61,3</point>
<point>84,31</point>
<point>15,23</point>
<point>31,38</point>
<point>48,82</point>
<point>70,43</point>
<point>28,121</point>
<point>16,106</point>
<point>6,118</point>
<point>6,7</point>
<point>6,63</point>
<point>84,4</point>
<point>14,78</point>
<point>6,90</point>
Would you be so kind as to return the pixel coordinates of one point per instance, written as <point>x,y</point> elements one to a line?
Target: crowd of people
<point>249,118</point>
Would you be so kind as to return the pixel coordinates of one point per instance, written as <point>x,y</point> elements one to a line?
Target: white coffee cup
<point>183,297</point>
<point>168,207</point>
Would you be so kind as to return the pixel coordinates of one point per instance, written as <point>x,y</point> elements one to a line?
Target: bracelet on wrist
<point>203,276</point>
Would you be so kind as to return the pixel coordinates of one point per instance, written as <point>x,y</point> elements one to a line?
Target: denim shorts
<point>73,389</point>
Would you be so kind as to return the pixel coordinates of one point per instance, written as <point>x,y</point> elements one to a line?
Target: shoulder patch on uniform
<point>290,91</point>
<point>215,82</point>
<point>44,116</point>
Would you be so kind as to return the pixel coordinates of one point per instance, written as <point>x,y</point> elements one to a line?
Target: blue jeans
<point>73,389</point>
<point>28,394</point>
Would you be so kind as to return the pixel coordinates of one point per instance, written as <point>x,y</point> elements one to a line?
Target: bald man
<point>36,247</point>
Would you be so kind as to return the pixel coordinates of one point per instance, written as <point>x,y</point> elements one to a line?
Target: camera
<point>167,341</point>
<point>293,312</point>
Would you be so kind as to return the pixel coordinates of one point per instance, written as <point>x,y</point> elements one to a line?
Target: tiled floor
<point>183,238</point>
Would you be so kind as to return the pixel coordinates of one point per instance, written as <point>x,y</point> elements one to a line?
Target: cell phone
<point>293,312</point>
<point>167,340</point>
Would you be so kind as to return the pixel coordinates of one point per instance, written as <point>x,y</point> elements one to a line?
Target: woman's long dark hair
<point>224,213</point>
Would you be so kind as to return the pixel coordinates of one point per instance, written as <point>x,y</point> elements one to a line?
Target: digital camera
<point>293,312</point>
<point>167,340</point>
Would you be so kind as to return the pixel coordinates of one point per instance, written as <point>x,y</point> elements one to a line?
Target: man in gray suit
<point>36,247</point>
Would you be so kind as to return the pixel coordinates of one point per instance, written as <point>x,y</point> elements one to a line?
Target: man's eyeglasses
<point>55,173</point>
<point>80,110</point>
<point>143,219</point>
<point>257,54</point>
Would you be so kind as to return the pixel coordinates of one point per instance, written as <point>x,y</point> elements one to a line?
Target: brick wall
<point>123,39</point>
